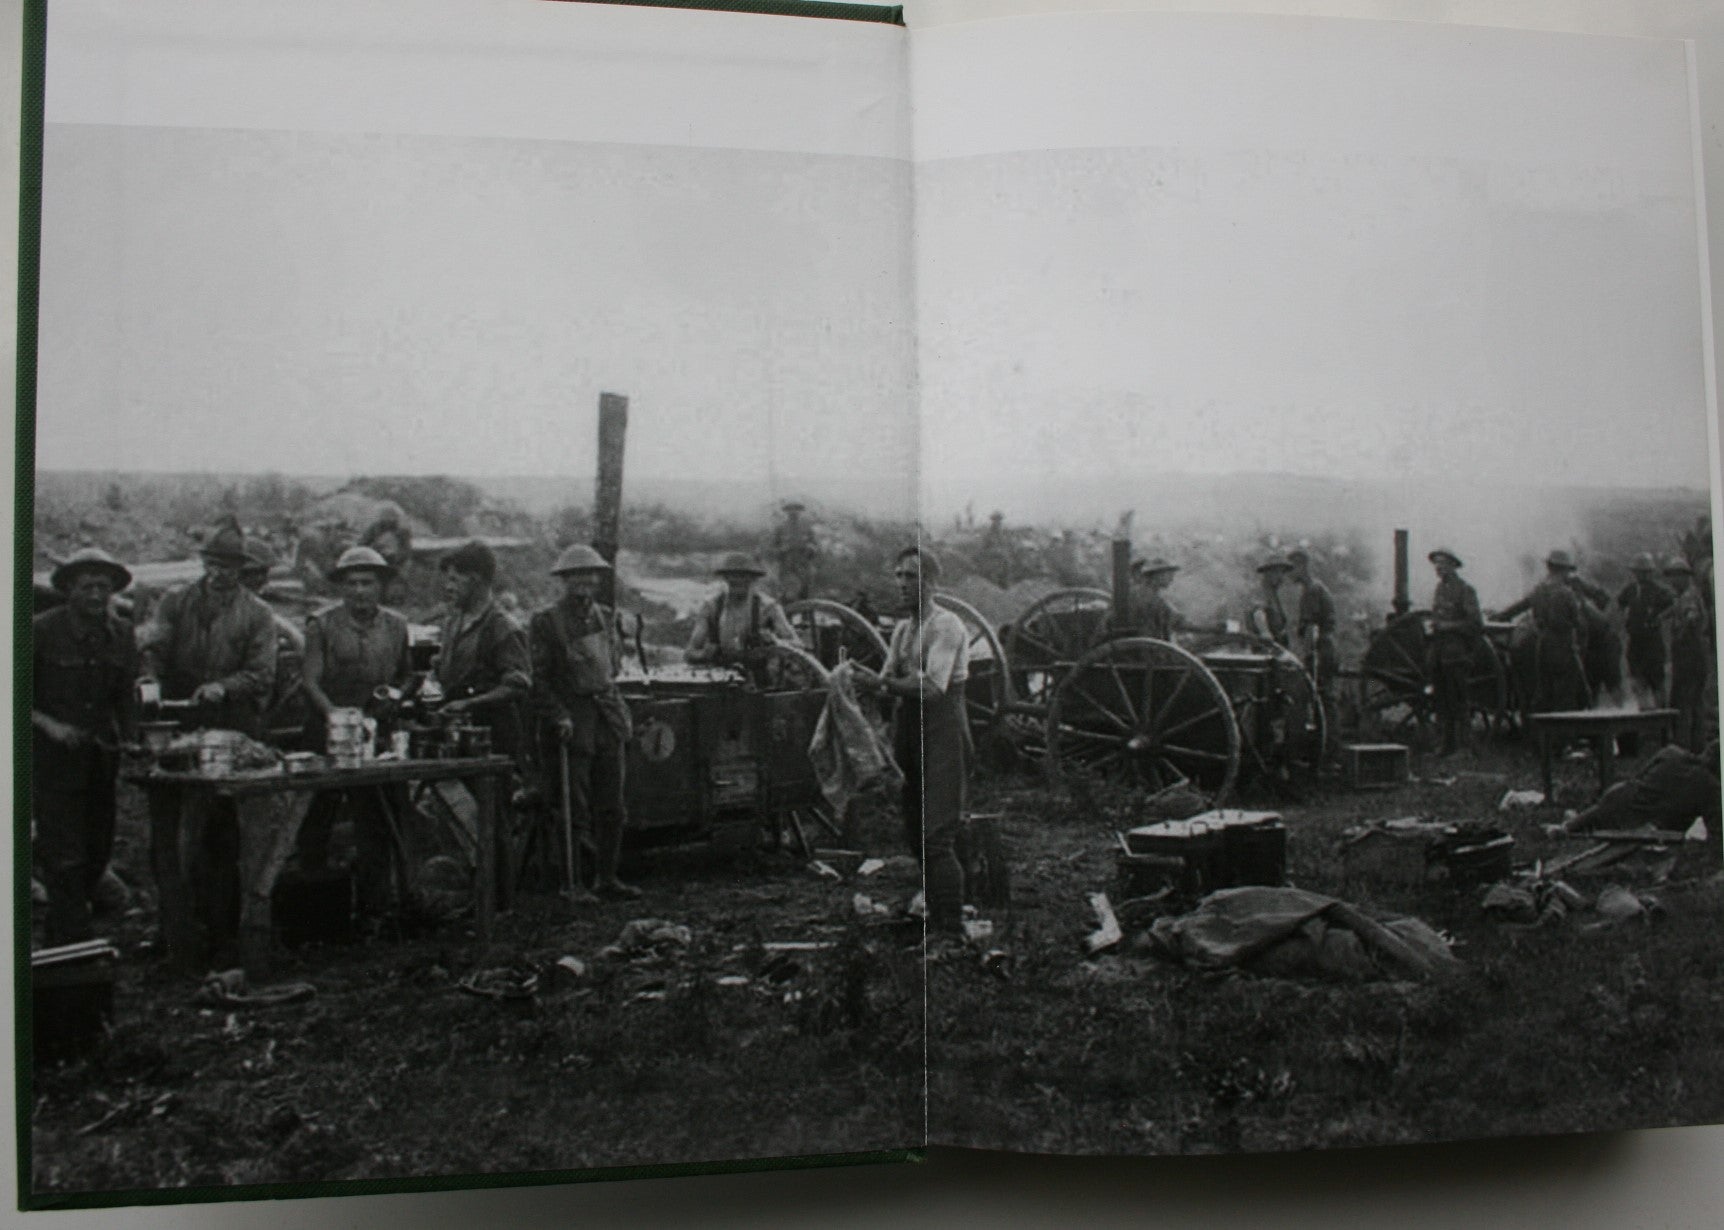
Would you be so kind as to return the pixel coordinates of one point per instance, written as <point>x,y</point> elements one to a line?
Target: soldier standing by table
<point>1690,652</point>
<point>1456,626</point>
<point>84,670</point>
<point>927,665</point>
<point>352,648</point>
<point>1559,623</point>
<point>1269,616</point>
<point>1644,601</point>
<point>577,651</point>
<point>1151,613</point>
<point>483,666</point>
<point>1314,629</point>
<point>212,642</point>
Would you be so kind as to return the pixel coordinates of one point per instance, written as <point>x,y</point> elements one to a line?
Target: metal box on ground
<point>71,998</point>
<point>313,907</point>
<point>1376,766</point>
<point>1217,849</point>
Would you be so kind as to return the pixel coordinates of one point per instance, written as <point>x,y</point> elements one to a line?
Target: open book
<point>1089,584</point>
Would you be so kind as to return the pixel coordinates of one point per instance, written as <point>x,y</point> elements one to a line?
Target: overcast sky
<point>1323,248</point>
<point>335,246</point>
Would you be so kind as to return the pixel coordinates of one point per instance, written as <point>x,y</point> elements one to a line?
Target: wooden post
<point>1403,601</point>
<point>608,494</point>
<point>1121,614</point>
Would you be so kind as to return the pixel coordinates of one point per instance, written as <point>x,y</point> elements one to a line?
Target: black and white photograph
<point>469,436</point>
<point>1315,418</point>
<point>622,587</point>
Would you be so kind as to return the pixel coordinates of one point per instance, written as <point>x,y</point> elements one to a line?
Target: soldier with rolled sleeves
<point>352,648</point>
<point>1456,625</point>
<point>1151,613</point>
<point>738,621</point>
<point>483,666</point>
<point>1644,601</point>
<point>927,665</point>
<point>1559,624</point>
<point>577,651</point>
<point>1690,652</point>
<point>83,708</point>
<point>1269,616</point>
<point>1314,624</point>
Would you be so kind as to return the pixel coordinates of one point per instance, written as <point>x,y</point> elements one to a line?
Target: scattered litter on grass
<point>864,906</point>
<point>642,935</point>
<point>1515,800</point>
<point>501,982</point>
<point>229,989</point>
<point>870,866</point>
<point>917,907</point>
<point>977,930</point>
<point>732,980</point>
<point>1291,932</point>
<point>826,871</point>
<point>572,968</point>
<point>1107,933</point>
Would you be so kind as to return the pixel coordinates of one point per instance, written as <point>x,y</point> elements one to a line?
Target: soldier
<point>794,548</point>
<point>1690,651</point>
<point>1559,624</point>
<point>212,642</point>
<point>1151,614</point>
<point>1600,646</point>
<point>927,665</point>
<point>85,667</point>
<point>1456,625</point>
<point>577,652</point>
<point>352,648</point>
<point>1644,601</point>
<point>286,706</point>
<point>1269,617</point>
<point>739,620</point>
<point>1314,624</point>
<point>483,670</point>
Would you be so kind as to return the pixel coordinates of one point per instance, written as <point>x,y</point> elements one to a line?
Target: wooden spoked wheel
<point>1147,714</point>
<point>1398,692</point>
<point>989,687</point>
<point>1282,722</point>
<point>1041,644</point>
<point>833,633</point>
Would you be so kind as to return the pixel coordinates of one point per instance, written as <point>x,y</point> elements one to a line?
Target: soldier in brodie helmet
<point>581,715</point>
<point>1559,620</point>
<point>739,620</point>
<point>83,708</point>
<point>1690,652</point>
<point>1456,625</point>
<point>1643,602</point>
<point>1151,613</point>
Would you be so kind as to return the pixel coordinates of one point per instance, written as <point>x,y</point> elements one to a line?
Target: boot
<point>610,844</point>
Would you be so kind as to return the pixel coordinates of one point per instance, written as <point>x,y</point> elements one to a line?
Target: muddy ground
<point>720,1049</point>
<point>1550,1029</point>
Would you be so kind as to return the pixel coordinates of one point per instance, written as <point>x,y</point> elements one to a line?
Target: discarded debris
<point>229,989</point>
<point>501,982</point>
<point>572,968</point>
<point>864,906</point>
<point>978,930</point>
<point>640,934</point>
<point>732,980</point>
<point>1241,927</point>
<point>826,871</point>
<point>1107,933</point>
<point>870,866</point>
<point>1515,800</point>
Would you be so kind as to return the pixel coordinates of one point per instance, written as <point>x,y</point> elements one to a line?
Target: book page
<point>1317,413</point>
<point>498,314</point>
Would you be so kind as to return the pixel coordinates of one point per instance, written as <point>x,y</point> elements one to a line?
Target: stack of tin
<point>350,734</point>
<point>1217,849</point>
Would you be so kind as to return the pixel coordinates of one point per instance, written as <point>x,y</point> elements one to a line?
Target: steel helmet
<point>579,557</point>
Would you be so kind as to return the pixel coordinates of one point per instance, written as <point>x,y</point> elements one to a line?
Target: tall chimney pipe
<point>608,493</point>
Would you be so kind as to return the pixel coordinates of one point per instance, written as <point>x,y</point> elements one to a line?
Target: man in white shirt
<point>927,665</point>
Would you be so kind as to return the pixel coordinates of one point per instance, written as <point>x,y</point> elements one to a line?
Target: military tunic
<point>1456,624</point>
<point>1643,605</point>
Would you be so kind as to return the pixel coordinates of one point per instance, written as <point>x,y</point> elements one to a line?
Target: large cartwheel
<point>1398,691</point>
<point>833,633</point>
<point>1283,727</point>
<point>1041,644</point>
<point>1146,714</point>
<point>988,693</point>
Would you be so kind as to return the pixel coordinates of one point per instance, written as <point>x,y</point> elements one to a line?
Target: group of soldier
<point>548,692</point>
<point>1574,654</point>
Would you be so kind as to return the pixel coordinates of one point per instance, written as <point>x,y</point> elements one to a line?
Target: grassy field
<point>1548,1030</point>
<point>393,1071</point>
